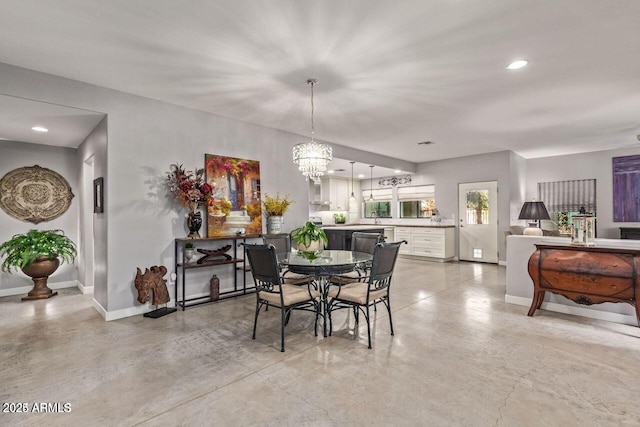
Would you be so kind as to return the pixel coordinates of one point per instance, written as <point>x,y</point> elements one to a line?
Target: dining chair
<point>282,243</point>
<point>372,288</point>
<point>360,242</point>
<point>272,291</point>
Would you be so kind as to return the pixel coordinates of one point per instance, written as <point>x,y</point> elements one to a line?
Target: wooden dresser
<point>586,275</point>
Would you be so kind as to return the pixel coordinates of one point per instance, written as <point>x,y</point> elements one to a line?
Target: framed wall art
<point>98,195</point>
<point>626,189</point>
<point>34,194</point>
<point>235,206</point>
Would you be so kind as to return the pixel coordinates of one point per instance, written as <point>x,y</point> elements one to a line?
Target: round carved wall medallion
<point>34,194</point>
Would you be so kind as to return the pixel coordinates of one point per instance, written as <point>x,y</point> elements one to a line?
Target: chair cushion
<point>349,277</point>
<point>291,278</point>
<point>291,294</point>
<point>355,292</point>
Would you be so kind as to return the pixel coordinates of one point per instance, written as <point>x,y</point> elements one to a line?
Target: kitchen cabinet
<point>336,191</point>
<point>431,242</point>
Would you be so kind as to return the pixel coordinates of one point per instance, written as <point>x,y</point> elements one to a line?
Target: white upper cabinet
<point>337,192</point>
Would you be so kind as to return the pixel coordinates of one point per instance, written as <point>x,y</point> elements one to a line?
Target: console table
<point>586,275</point>
<point>182,266</point>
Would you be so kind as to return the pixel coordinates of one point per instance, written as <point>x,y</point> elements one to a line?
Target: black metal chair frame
<point>266,276</point>
<point>365,242</point>
<point>379,278</point>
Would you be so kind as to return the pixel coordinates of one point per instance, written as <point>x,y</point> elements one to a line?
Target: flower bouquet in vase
<point>192,192</point>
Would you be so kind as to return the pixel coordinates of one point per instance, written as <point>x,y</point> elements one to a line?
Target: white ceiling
<point>67,127</point>
<point>391,74</point>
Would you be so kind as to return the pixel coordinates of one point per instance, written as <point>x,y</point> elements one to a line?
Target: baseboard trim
<point>128,312</point>
<point>25,289</point>
<point>625,319</point>
<point>85,289</point>
<point>99,308</point>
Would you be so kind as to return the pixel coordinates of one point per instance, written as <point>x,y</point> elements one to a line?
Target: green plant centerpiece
<point>274,208</point>
<point>339,218</point>
<point>38,253</point>
<point>310,238</point>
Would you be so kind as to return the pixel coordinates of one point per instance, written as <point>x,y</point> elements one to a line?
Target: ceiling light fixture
<point>40,129</point>
<point>312,157</point>
<point>397,171</point>
<point>330,171</point>
<point>353,196</point>
<point>371,199</point>
<point>517,64</point>
<point>360,175</point>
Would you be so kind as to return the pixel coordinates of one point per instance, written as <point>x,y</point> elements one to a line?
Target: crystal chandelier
<point>312,157</point>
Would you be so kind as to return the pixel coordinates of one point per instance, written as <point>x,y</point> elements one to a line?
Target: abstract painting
<point>626,189</point>
<point>235,207</point>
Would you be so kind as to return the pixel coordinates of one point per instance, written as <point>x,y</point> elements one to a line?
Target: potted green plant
<point>189,249</point>
<point>38,253</point>
<point>274,209</point>
<point>339,218</point>
<point>310,238</point>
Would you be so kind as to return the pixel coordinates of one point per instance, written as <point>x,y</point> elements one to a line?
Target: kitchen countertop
<point>354,227</point>
<point>370,226</point>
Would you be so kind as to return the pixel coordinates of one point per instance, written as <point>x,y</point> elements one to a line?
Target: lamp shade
<point>534,210</point>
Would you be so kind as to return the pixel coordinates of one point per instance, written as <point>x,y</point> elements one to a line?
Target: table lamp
<point>534,211</point>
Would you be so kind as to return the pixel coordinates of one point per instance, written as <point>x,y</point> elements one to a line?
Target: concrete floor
<point>461,356</point>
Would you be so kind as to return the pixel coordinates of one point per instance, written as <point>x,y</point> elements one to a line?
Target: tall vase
<point>194,222</point>
<point>274,224</point>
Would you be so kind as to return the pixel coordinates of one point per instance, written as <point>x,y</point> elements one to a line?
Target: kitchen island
<point>339,236</point>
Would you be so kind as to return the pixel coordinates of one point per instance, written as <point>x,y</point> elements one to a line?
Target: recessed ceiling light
<point>360,176</point>
<point>397,171</point>
<point>330,171</point>
<point>517,64</point>
<point>40,129</point>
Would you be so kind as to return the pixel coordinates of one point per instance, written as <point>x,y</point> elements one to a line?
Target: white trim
<point>128,312</point>
<point>85,289</point>
<point>502,263</point>
<point>25,289</point>
<point>99,308</point>
<point>625,319</point>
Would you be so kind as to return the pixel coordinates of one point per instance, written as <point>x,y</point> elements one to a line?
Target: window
<point>417,202</point>
<point>380,207</point>
<point>377,209</point>
<point>477,207</point>
<point>565,199</point>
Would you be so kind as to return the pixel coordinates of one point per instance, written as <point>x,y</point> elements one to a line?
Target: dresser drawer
<point>405,249</point>
<point>421,239</point>
<point>403,229</point>
<point>402,236</point>
<point>605,286</point>
<point>428,231</point>
<point>588,263</point>
<point>427,251</point>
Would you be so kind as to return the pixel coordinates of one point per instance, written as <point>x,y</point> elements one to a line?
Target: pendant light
<point>312,157</point>
<point>353,196</point>
<point>371,199</point>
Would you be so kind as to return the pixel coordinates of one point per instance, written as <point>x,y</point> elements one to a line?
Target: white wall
<point>596,165</point>
<point>95,232</point>
<point>15,155</point>
<point>145,137</point>
<point>447,174</point>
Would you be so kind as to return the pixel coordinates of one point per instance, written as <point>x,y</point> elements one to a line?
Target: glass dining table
<point>323,265</point>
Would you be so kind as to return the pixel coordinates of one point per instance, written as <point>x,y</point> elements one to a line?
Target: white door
<point>478,213</point>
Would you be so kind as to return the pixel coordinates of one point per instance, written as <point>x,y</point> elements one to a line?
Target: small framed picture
<point>98,195</point>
